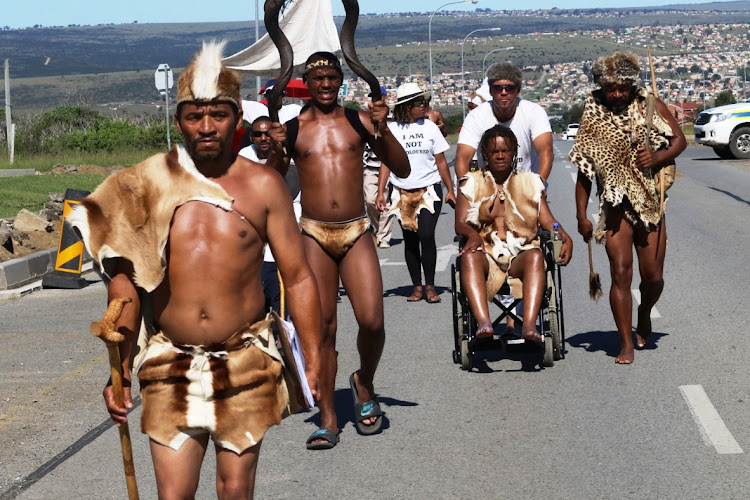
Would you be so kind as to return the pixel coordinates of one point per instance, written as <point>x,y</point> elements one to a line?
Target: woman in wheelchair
<point>499,212</point>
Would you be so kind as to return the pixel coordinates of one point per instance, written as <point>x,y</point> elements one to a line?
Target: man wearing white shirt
<point>527,120</point>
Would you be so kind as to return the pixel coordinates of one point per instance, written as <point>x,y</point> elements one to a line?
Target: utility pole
<point>9,132</point>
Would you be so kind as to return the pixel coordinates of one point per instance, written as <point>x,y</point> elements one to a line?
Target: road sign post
<point>164,81</point>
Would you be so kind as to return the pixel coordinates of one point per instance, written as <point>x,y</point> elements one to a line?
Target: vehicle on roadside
<point>570,132</point>
<point>726,129</point>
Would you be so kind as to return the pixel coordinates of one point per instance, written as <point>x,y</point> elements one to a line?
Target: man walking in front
<point>326,141</point>
<point>182,235</point>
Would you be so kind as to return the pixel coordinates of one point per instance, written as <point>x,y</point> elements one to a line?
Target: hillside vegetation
<point>111,64</point>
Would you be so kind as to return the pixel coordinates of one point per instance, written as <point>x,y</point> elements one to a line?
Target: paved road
<point>584,428</point>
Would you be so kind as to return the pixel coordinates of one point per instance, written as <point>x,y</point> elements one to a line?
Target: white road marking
<point>637,295</point>
<point>444,255</point>
<point>384,262</point>
<point>710,424</point>
<point>574,176</point>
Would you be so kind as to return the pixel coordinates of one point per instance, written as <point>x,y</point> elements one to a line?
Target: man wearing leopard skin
<point>610,148</point>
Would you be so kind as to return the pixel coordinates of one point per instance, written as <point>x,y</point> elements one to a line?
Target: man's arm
<point>286,245</point>
<point>128,324</point>
<point>383,174</point>
<point>677,143</point>
<point>386,146</point>
<point>583,190</point>
<point>445,175</point>
<point>278,159</point>
<point>543,146</point>
<point>441,123</point>
<point>464,155</point>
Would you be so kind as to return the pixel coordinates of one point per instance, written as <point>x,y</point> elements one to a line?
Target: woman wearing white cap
<point>416,200</point>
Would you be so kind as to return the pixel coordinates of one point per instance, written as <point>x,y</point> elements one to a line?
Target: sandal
<point>368,409</point>
<point>326,438</point>
<point>416,294</point>
<point>432,295</point>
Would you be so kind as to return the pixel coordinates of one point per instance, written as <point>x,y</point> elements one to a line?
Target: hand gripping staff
<point>105,330</point>
<point>351,7</point>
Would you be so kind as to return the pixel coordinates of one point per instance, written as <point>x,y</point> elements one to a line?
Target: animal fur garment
<point>522,194</point>
<point>130,213</point>
<point>235,390</point>
<point>407,203</point>
<point>207,79</point>
<point>605,150</point>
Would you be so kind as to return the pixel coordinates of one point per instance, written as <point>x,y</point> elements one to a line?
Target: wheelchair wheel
<point>554,323</point>
<point>458,322</point>
<point>466,363</point>
<point>549,354</point>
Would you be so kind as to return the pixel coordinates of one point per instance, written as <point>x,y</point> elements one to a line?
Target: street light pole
<point>429,35</point>
<point>463,78</point>
<point>257,33</point>
<point>490,52</point>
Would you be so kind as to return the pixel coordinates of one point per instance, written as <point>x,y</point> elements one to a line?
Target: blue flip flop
<point>368,409</point>
<point>330,438</point>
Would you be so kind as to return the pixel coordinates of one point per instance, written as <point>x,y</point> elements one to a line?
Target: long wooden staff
<point>105,330</point>
<point>351,7</point>
<point>650,110</point>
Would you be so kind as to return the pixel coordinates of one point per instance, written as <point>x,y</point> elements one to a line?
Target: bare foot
<point>531,335</point>
<point>626,356</point>
<point>485,331</point>
<point>643,330</point>
<point>416,294</point>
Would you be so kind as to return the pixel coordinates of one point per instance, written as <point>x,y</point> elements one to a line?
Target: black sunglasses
<point>417,103</point>
<point>258,133</point>
<point>497,88</point>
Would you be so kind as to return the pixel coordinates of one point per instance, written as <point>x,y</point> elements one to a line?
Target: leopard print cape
<point>605,149</point>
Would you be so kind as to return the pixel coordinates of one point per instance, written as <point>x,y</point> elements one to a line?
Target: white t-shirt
<point>250,153</point>
<point>529,122</point>
<point>421,140</point>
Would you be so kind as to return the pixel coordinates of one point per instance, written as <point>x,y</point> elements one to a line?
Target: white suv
<point>570,132</point>
<point>726,129</point>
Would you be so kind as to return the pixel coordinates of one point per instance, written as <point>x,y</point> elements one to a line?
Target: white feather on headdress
<point>207,68</point>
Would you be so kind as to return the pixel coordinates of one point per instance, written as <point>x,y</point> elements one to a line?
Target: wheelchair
<point>549,322</point>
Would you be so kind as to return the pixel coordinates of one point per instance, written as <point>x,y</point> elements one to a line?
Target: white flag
<point>308,24</point>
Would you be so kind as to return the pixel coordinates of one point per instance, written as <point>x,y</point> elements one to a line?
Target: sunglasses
<point>258,133</point>
<point>418,103</point>
<point>497,88</point>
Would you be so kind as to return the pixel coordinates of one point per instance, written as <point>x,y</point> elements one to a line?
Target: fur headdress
<point>618,69</point>
<point>207,79</point>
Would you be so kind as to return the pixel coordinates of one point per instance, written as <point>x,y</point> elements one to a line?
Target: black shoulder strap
<point>353,116</point>
<point>292,129</point>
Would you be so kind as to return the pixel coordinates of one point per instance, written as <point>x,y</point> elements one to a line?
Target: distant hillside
<point>140,48</point>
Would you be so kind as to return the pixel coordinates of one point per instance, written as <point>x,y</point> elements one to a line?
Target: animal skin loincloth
<point>130,213</point>
<point>235,390</point>
<point>407,203</point>
<point>605,149</point>
<point>522,195</point>
<point>336,238</point>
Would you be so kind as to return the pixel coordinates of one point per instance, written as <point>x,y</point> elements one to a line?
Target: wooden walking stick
<point>650,110</point>
<point>595,283</point>
<point>105,330</point>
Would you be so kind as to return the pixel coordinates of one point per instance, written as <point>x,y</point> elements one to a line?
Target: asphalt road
<point>672,425</point>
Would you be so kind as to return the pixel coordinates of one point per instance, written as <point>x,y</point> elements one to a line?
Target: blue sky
<point>61,13</point>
